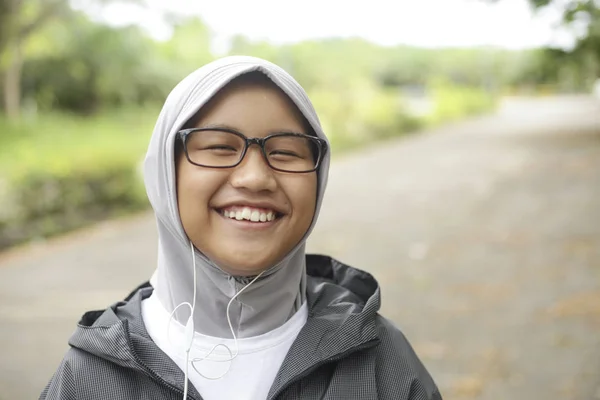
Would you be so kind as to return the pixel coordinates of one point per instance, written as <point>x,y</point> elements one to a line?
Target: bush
<point>61,172</point>
<point>42,204</point>
<point>362,113</point>
<point>453,102</point>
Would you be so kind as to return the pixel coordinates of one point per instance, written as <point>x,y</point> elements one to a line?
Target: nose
<point>253,173</point>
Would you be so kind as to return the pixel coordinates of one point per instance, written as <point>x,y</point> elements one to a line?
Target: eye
<point>214,142</point>
<point>219,147</point>
<point>284,153</point>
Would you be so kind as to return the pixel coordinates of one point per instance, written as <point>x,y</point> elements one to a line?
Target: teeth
<point>249,214</point>
<point>246,213</point>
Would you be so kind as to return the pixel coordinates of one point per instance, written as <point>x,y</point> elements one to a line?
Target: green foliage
<point>91,95</point>
<point>362,114</point>
<point>43,203</point>
<point>453,102</point>
<point>60,172</point>
<point>58,141</point>
<point>580,67</point>
<point>75,78</point>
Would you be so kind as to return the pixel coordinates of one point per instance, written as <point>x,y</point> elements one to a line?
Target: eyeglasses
<point>226,148</point>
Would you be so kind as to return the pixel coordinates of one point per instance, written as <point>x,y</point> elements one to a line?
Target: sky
<point>428,23</point>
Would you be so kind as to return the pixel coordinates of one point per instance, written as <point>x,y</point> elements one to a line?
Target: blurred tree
<point>73,62</point>
<point>579,67</point>
<point>6,9</point>
<point>20,19</point>
<point>94,64</point>
<point>188,47</point>
<point>126,67</point>
<point>586,14</point>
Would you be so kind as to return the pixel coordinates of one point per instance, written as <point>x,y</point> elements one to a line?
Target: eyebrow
<point>218,126</point>
<point>231,128</point>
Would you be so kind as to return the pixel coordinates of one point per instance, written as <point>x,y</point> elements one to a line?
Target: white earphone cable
<point>189,332</point>
<point>232,355</point>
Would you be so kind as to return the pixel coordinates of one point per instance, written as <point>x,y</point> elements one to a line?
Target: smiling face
<point>246,218</point>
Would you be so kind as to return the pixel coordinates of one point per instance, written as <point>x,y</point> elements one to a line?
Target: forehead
<point>254,108</point>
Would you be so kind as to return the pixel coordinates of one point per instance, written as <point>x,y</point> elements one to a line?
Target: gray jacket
<point>345,351</point>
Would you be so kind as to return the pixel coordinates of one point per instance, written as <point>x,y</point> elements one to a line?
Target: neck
<point>265,305</point>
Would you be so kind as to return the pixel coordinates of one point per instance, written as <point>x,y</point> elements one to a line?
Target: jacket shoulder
<point>85,376</point>
<point>398,368</point>
<point>63,384</point>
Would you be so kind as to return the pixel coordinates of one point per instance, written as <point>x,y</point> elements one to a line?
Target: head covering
<point>270,301</point>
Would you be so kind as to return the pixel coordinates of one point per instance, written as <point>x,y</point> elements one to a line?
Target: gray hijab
<point>270,301</point>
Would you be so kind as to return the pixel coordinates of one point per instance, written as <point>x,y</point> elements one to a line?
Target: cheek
<point>184,195</point>
<point>194,190</point>
<point>185,186</point>
<point>303,196</point>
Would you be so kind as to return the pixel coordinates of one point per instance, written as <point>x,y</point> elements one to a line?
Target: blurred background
<point>466,173</point>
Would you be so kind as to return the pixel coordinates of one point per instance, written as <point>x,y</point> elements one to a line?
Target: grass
<point>60,142</point>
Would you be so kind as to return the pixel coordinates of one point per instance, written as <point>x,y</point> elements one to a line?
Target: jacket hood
<point>343,303</point>
<point>274,298</point>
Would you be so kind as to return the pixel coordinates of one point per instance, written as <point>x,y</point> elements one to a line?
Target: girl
<point>235,172</point>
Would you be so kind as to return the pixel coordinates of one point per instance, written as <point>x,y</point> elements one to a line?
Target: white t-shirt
<point>250,374</point>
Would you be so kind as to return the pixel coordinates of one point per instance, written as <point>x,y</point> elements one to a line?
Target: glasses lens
<point>292,153</point>
<point>214,148</point>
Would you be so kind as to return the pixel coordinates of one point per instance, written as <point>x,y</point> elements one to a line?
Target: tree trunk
<point>12,82</point>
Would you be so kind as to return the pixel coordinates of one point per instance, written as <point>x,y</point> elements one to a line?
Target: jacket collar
<point>118,335</point>
<point>343,303</point>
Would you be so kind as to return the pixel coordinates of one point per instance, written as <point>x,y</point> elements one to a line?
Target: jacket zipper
<point>371,343</point>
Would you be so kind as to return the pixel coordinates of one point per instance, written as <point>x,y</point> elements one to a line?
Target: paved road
<point>485,236</point>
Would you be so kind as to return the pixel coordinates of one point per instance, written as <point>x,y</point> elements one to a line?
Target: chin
<point>246,266</point>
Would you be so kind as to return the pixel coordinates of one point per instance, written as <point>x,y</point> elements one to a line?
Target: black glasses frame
<point>321,145</point>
